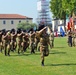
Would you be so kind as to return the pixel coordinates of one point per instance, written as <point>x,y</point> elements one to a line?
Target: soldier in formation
<point>21,40</point>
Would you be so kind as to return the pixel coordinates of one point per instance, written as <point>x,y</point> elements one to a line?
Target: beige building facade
<point>9,21</point>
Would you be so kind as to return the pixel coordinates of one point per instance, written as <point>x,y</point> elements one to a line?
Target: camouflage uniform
<point>37,39</point>
<point>44,46</point>
<point>25,42</point>
<point>52,39</point>
<point>4,41</point>
<point>19,41</point>
<point>8,43</point>
<point>70,39</point>
<point>6,38</point>
<point>44,41</point>
<point>74,39</point>
<point>1,41</point>
<point>13,41</point>
<point>32,42</point>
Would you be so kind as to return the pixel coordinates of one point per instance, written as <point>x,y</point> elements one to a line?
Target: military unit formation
<point>19,40</point>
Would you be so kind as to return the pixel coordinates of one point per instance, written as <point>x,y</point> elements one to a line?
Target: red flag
<point>68,26</point>
<point>72,24</point>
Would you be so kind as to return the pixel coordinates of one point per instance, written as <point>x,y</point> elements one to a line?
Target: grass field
<point>61,61</point>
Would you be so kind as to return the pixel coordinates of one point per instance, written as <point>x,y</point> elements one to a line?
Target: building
<point>9,21</point>
<point>56,24</point>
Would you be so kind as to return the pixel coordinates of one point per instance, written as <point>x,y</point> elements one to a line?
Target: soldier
<point>74,39</point>
<point>37,39</point>
<point>44,42</point>
<point>0,40</point>
<point>25,41</point>
<point>52,38</point>
<point>32,40</point>
<point>13,40</point>
<point>8,36</point>
<point>4,37</point>
<point>70,38</point>
<point>19,40</point>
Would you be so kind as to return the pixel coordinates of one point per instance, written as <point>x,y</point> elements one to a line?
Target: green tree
<point>62,8</point>
<point>26,25</point>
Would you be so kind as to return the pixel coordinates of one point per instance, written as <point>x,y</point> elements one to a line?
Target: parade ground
<point>61,61</point>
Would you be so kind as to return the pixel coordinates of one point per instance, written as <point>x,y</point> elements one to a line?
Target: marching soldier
<point>19,40</point>
<point>32,40</point>
<point>0,40</point>
<point>52,38</point>
<point>8,36</point>
<point>25,41</point>
<point>44,42</point>
<point>4,41</point>
<point>13,40</point>
<point>74,39</point>
<point>37,39</point>
<point>70,38</point>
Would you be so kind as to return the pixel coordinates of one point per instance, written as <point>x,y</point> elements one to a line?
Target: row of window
<point>12,22</point>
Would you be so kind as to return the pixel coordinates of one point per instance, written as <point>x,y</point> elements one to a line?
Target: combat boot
<point>42,63</point>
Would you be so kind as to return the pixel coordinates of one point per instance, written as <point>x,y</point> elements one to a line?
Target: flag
<point>62,31</point>
<point>68,26</point>
<point>72,24</point>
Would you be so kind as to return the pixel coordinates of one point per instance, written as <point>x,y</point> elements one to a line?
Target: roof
<point>13,16</point>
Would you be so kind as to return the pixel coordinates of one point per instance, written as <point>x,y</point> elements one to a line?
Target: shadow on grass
<point>57,52</point>
<point>66,64</point>
<point>20,54</point>
<point>59,47</point>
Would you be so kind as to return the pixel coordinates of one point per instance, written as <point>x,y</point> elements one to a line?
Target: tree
<point>62,8</point>
<point>26,26</point>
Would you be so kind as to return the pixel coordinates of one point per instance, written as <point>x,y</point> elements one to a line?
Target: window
<point>4,22</point>
<point>19,21</point>
<point>12,22</point>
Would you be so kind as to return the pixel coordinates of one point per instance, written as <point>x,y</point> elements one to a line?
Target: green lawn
<point>61,61</point>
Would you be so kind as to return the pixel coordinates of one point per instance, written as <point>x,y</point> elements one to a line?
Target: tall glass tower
<point>43,12</point>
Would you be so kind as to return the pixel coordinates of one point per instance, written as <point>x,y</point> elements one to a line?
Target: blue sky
<point>23,7</point>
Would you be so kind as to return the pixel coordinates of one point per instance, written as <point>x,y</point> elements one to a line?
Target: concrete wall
<point>8,24</point>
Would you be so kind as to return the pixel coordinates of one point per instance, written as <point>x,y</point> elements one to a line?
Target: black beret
<point>19,30</point>
<point>41,27</point>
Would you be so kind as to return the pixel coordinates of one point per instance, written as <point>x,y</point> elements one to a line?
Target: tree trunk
<point>65,21</point>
